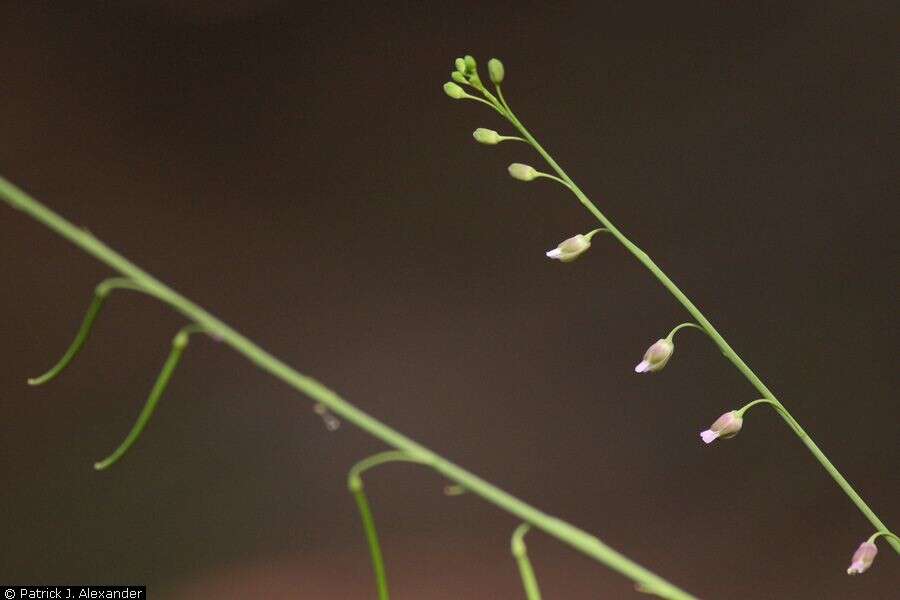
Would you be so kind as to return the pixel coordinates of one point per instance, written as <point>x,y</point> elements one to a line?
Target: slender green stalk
<point>726,349</point>
<point>887,534</point>
<point>678,328</point>
<point>520,552</point>
<point>179,344</point>
<point>101,292</point>
<point>355,484</point>
<point>578,539</point>
<point>368,522</point>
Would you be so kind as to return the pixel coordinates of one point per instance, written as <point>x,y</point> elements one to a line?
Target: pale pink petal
<point>856,568</point>
<point>642,367</point>
<point>555,253</point>
<point>709,435</point>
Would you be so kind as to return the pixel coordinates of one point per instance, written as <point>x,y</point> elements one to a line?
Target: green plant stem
<point>365,513</point>
<point>179,344</point>
<point>576,538</point>
<point>678,328</point>
<point>887,535</point>
<point>355,485</point>
<point>717,338</point>
<point>520,552</point>
<point>101,292</point>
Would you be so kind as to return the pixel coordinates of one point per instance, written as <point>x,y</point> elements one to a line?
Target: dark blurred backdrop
<point>298,171</point>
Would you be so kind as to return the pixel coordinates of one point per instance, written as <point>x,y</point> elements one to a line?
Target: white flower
<point>570,249</point>
<point>726,426</point>
<point>656,357</point>
<point>862,558</point>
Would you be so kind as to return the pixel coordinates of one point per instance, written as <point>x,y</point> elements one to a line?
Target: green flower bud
<point>458,77</point>
<point>460,64</point>
<point>454,91</point>
<point>486,136</point>
<point>471,65</point>
<point>522,172</point>
<point>496,71</point>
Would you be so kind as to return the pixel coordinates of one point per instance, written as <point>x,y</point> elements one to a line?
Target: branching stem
<point>578,539</point>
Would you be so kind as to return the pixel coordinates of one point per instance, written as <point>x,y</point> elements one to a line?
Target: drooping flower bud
<point>656,357</point>
<point>486,136</point>
<point>862,558</point>
<point>522,172</point>
<point>496,71</point>
<point>570,249</point>
<point>726,426</point>
<point>460,64</point>
<point>454,91</point>
<point>458,77</point>
<point>471,65</point>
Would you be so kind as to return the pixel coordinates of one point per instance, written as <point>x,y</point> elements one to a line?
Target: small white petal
<point>642,367</point>
<point>709,435</point>
<point>555,253</point>
<point>856,568</point>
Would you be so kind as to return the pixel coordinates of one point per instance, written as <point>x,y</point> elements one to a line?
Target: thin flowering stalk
<point>580,540</point>
<point>502,106</point>
<point>355,485</point>
<point>678,328</point>
<point>526,572</point>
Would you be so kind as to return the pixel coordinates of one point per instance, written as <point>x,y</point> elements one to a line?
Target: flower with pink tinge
<point>570,249</point>
<point>862,558</point>
<point>656,357</point>
<point>726,426</point>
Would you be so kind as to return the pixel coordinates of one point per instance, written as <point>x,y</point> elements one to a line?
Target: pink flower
<point>862,558</point>
<point>726,426</point>
<point>656,357</point>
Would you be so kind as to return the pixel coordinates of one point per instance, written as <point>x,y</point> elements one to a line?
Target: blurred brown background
<point>299,172</point>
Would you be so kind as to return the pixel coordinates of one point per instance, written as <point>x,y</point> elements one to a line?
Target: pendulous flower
<point>726,426</point>
<point>570,249</point>
<point>656,357</point>
<point>862,558</point>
